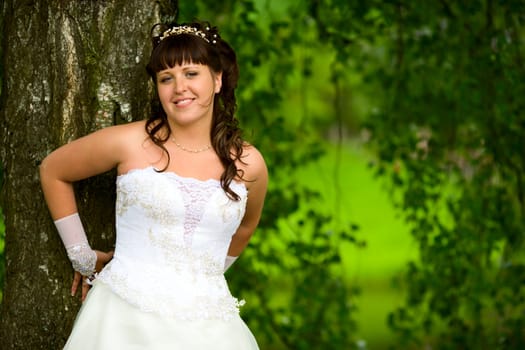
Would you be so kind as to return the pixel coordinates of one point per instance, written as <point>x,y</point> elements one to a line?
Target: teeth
<point>185,101</point>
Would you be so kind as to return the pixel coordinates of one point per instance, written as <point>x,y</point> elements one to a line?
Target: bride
<point>190,193</point>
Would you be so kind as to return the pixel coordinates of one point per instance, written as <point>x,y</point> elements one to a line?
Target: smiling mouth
<point>183,102</point>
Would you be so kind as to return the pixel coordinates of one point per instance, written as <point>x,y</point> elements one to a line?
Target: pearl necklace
<point>198,150</point>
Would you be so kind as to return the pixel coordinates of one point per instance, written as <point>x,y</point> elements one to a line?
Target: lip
<point>183,102</point>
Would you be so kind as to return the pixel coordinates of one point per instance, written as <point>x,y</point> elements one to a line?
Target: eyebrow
<point>191,66</point>
<point>184,67</point>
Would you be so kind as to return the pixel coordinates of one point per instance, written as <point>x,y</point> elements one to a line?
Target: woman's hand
<point>102,259</point>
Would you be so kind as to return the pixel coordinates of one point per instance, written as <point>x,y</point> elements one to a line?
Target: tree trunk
<point>69,68</point>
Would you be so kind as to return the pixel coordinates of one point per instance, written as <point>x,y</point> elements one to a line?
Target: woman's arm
<point>85,157</point>
<point>256,174</point>
<point>80,159</point>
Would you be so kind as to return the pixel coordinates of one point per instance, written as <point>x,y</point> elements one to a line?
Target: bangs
<point>177,50</point>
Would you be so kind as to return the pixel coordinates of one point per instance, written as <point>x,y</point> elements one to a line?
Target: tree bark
<point>69,68</point>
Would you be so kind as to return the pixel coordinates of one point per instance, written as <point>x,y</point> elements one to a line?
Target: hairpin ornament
<point>187,30</point>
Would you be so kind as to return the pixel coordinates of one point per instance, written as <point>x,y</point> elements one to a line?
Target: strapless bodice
<point>173,235</point>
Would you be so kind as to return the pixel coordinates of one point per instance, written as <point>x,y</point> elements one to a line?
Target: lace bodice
<point>173,235</point>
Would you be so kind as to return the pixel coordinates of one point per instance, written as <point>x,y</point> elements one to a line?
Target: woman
<point>183,213</point>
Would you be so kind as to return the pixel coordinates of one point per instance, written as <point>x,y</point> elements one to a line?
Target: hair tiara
<point>174,31</point>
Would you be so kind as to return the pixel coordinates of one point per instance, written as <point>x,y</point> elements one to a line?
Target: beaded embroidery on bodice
<point>173,235</point>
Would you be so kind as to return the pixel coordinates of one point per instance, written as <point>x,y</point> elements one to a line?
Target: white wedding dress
<point>165,287</point>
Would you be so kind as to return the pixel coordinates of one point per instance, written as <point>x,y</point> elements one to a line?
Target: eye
<point>191,74</point>
<point>164,79</point>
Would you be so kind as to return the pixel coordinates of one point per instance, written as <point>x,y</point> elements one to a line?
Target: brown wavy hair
<point>226,136</point>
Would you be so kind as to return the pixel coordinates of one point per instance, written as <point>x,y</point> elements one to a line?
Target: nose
<point>180,86</point>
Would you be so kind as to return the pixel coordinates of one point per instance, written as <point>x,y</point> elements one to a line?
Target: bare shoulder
<point>253,164</point>
<point>123,138</point>
<point>130,142</point>
<point>255,178</point>
<point>95,153</point>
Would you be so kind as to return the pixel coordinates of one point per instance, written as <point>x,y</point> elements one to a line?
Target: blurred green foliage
<point>449,131</point>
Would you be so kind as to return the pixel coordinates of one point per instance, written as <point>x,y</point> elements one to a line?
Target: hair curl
<point>225,134</point>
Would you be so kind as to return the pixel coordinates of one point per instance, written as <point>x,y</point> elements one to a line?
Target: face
<point>186,92</point>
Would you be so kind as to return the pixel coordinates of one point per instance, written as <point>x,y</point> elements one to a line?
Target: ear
<point>218,82</point>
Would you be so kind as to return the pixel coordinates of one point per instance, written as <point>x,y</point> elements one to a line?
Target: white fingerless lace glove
<point>82,257</point>
<point>229,262</point>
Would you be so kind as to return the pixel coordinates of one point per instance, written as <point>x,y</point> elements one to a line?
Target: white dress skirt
<point>106,322</point>
<point>165,286</point>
